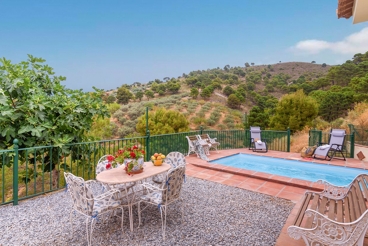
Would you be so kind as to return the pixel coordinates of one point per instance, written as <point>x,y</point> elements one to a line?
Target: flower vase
<point>137,165</point>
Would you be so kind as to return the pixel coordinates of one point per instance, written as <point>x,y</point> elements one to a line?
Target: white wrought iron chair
<point>174,159</point>
<point>168,193</point>
<point>91,200</point>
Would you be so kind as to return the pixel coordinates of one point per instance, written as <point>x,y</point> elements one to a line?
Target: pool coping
<point>300,183</point>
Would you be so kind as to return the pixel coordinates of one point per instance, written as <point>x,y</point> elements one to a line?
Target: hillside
<point>212,111</point>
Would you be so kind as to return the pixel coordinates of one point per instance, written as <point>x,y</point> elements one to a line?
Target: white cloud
<point>352,44</point>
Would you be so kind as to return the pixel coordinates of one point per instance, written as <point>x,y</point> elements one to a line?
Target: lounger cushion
<point>338,134</point>
<point>255,131</point>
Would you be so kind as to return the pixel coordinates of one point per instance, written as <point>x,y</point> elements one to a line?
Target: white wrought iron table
<point>119,176</point>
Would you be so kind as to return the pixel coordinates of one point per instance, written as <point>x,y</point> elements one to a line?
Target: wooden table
<point>119,176</point>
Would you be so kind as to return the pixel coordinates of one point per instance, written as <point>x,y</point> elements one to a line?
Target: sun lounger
<point>257,144</point>
<point>335,144</point>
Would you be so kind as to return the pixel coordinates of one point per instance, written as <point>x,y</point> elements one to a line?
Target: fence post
<point>352,144</point>
<point>15,173</point>
<point>288,140</point>
<point>319,138</point>
<point>148,156</point>
<point>201,129</point>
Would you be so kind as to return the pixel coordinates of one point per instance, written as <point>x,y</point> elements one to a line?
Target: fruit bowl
<point>157,162</point>
<point>157,159</point>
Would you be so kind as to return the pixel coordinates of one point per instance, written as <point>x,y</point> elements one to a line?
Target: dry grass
<point>299,140</point>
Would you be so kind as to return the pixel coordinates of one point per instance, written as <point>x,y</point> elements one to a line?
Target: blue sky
<point>109,43</point>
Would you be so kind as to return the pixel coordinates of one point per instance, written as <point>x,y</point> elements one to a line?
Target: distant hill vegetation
<point>229,97</point>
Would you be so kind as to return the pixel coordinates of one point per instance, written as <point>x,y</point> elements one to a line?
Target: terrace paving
<point>274,185</point>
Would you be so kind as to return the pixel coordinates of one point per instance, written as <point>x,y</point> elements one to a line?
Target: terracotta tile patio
<point>274,185</point>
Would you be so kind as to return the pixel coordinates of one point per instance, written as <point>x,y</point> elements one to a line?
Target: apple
<point>155,154</point>
<point>163,156</point>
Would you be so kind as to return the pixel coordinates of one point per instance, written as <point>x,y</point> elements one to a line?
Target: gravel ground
<point>215,214</point>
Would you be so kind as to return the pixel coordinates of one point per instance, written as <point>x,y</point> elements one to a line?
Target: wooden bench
<point>192,140</point>
<point>212,141</point>
<point>335,216</point>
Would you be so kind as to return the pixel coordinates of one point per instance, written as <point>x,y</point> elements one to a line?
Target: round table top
<point>119,176</point>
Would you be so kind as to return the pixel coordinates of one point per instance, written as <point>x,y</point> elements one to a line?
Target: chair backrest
<point>337,137</point>
<point>202,141</point>
<point>205,137</point>
<point>102,163</point>
<point>192,140</point>
<point>173,185</point>
<point>211,140</point>
<point>175,159</point>
<point>79,192</point>
<point>255,133</point>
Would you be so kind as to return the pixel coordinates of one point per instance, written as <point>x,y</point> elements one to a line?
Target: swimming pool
<point>294,169</point>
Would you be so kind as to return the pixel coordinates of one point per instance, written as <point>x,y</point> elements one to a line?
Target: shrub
<point>124,108</point>
<point>130,124</point>
<point>118,114</point>
<point>123,131</point>
<point>200,114</point>
<point>221,126</point>
<point>113,107</point>
<point>122,119</point>
<point>211,122</point>
<point>198,120</point>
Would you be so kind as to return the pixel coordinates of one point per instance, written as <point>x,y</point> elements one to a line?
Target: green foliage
<point>37,110</point>
<point>233,101</point>
<point>113,107</point>
<point>110,99</point>
<point>359,84</point>
<point>123,95</point>
<point>102,129</point>
<point>139,95</point>
<point>295,111</point>
<point>149,94</point>
<point>173,86</point>
<point>194,92</point>
<point>228,90</point>
<point>124,131</point>
<point>162,121</point>
<point>206,92</point>
<point>335,103</point>
<point>258,117</point>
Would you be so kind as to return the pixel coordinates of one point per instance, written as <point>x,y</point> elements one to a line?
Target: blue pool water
<point>294,169</point>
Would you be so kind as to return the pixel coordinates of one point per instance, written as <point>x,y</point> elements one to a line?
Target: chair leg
<point>130,208</point>
<point>122,219</point>
<point>91,233</point>
<point>163,219</point>
<point>88,236</point>
<point>139,214</point>
<point>71,221</point>
<point>182,210</point>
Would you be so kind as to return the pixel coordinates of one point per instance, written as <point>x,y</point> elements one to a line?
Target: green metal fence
<point>28,172</point>
<point>361,134</point>
<point>317,136</point>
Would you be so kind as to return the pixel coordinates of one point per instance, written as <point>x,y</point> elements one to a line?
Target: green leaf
<point>24,129</point>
